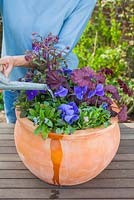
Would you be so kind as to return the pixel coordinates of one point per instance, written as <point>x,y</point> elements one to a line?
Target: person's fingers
<point>7,69</point>
<point>6,65</point>
<point>1,68</point>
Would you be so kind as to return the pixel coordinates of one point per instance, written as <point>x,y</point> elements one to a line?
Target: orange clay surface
<point>66,159</point>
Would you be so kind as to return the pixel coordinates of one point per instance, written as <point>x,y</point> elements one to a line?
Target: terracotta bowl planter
<point>66,159</point>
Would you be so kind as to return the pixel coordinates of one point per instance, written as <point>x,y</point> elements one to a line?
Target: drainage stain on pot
<point>56,157</point>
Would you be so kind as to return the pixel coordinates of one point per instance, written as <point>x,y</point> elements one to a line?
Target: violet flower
<point>61,92</point>
<point>69,112</point>
<point>80,92</point>
<point>31,94</point>
<point>104,106</point>
<point>99,91</point>
<point>67,71</point>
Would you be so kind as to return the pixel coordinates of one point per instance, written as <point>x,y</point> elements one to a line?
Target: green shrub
<point>1,102</point>
<point>102,43</point>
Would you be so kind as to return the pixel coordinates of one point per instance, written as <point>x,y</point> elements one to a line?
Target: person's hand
<point>8,62</point>
<point>6,65</point>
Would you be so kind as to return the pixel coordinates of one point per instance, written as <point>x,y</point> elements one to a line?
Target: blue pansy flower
<point>69,112</point>
<point>31,94</point>
<point>99,91</point>
<point>80,92</point>
<point>67,71</point>
<point>61,92</point>
<point>104,106</point>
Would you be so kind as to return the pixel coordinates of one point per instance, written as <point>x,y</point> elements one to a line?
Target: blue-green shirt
<point>65,18</point>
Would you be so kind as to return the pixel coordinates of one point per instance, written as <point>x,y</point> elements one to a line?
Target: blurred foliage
<point>108,40</point>
<point>1,102</point>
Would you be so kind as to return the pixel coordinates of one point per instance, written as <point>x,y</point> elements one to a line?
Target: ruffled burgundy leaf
<point>54,80</point>
<point>122,115</point>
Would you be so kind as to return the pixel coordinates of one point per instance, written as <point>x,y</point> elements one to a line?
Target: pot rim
<point>78,133</point>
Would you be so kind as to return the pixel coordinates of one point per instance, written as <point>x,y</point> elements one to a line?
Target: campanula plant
<point>79,98</point>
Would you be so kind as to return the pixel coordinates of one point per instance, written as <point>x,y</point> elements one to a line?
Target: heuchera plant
<point>81,97</point>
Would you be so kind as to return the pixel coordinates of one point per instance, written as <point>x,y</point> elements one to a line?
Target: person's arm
<point>75,24</point>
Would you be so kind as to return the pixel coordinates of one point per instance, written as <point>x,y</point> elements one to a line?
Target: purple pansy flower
<point>31,94</point>
<point>43,91</point>
<point>80,92</point>
<point>61,92</point>
<point>69,112</point>
<point>99,91</point>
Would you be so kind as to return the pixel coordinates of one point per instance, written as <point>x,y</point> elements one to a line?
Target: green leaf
<point>32,112</point>
<point>106,124</point>
<point>23,114</point>
<point>42,115</point>
<point>51,113</point>
<point>69,130</point>
<point>48,122</point>
<point>38,130</point>
<point>59,130</point>
<point>45,131</point>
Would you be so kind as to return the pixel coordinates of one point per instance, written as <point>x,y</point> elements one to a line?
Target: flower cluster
<point>81,97</point>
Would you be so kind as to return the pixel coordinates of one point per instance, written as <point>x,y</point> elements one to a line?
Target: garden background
<point>108,41</point>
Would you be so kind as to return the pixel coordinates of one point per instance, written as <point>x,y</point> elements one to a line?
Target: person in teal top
<point>65,18</point>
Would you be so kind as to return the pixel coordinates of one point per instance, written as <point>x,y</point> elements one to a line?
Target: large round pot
<point>66,159</point>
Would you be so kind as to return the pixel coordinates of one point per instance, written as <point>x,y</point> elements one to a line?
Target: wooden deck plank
<point>118,157</point>
<point>121,173</point>
<point>10,143</point>
<point>95,183</point>
<point>9,157</point>
<point>122,150</point>
<point>11,136</point>
<point>67,193</point>
<point>7,143</point>
<point>69,199</point>
<point>19,165</point>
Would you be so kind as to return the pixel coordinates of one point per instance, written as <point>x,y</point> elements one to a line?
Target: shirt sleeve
<point>75,24</point>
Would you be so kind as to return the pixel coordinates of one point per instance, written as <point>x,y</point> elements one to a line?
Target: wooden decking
<point>116,182</point>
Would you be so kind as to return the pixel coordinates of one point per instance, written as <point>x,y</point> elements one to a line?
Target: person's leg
<point>9,98</point>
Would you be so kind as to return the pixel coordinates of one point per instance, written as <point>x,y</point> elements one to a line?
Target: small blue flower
<point>80,92</point>
<point>99,91</point>
<point>61,92</point>
<point>104,106</point>
<point>67,71</point>
<point>31,94</point>
<point>69,112</point>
